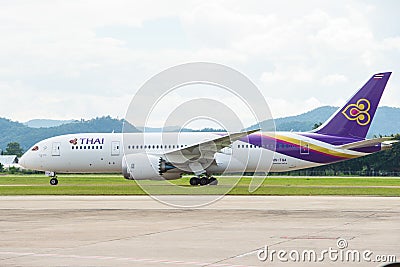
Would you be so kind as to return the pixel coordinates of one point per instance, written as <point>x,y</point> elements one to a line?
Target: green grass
<point>117,185</point>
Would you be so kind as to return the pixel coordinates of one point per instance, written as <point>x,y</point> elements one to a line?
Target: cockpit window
<point>35,148</point>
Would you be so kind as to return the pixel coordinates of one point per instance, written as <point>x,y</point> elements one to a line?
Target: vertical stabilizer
<point>355,117</point>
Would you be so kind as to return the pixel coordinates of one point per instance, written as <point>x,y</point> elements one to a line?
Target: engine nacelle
<point>148,167</point>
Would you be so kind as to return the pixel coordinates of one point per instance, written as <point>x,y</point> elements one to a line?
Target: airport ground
<point>140,231</point>
<point>105,220</point>
<point>117,185</point>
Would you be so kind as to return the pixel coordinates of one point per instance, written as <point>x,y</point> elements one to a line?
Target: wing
<point>194,156</point>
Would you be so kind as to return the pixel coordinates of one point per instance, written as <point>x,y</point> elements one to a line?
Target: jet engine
<point>148,167</point>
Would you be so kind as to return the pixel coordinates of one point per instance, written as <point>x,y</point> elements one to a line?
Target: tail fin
<point>354,118</point>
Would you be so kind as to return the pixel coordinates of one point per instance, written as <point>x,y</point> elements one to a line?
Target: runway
<point>139,231</point>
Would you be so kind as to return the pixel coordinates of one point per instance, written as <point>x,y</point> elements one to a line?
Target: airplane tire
<point>53,181</point>
<point>213,181</point>
<point>194,181</point>
<point>203,181</point>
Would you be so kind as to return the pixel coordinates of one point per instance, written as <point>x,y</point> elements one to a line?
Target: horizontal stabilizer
<point>390,142</point>
<point>365,143</point>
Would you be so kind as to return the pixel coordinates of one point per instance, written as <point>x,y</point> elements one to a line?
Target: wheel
<point>213,181</point>
<point>194,181</point>
<point>53,181</point>
<point>203,181</point>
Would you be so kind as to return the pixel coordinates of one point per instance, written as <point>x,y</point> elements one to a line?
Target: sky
<point>85,59</point>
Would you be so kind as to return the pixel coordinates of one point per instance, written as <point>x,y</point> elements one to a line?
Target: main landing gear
<point>205,180</point>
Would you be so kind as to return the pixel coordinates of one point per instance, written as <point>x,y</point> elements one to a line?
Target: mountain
<point>44,123</point>
<point>305,122</point>
<point>386,122</point>
<point>27,136</point>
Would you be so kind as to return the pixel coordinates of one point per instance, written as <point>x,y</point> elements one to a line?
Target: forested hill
<point>26,136</point>
<point>386,122</point>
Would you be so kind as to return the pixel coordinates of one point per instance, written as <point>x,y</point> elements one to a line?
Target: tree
<point>316,125</point>
<point>13,148</point>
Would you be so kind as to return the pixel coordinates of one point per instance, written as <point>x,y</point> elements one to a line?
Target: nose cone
<point>22,160</point>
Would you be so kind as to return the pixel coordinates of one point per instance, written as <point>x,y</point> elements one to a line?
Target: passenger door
<point>55,151</point>
<point>115,148</point>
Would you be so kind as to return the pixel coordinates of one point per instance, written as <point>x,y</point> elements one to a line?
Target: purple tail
<point>354,118</point>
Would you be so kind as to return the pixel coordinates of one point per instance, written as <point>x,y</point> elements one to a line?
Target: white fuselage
<point>103,152</point>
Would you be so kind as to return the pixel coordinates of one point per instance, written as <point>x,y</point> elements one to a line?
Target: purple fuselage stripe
<point>290,149</point>
<point>330,139</point>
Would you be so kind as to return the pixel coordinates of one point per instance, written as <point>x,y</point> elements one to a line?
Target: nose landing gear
<point>53,180</point>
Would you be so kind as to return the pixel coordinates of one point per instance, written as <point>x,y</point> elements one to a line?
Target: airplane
<point>159,156</point>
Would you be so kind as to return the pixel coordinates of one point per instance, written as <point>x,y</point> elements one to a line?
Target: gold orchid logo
<point>358,112</point>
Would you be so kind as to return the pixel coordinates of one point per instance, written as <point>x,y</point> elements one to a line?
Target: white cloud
<point>331,79</point>
<point>311,53</point>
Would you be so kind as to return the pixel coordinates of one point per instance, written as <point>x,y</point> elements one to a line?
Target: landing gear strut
<point>205,180</point>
